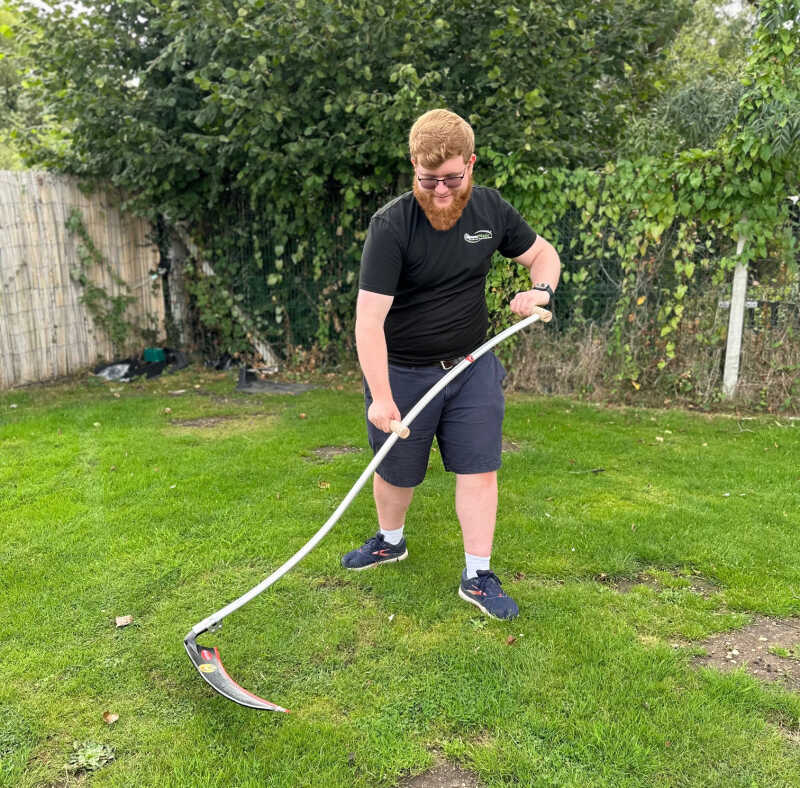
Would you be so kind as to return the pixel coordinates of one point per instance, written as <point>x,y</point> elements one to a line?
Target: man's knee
<point>477,480</point>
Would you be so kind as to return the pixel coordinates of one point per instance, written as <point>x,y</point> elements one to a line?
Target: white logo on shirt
<point>478,236</point>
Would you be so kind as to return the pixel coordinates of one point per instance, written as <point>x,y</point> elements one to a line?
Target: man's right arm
<point>371,312</point>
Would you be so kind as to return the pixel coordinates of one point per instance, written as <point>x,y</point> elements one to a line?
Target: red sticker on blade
<point>207,654</point>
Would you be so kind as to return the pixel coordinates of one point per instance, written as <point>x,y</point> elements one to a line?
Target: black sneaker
<point>486,593</point>
<point>374,551</point>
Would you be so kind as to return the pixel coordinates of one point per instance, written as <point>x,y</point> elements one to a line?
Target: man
<point>421,308</point>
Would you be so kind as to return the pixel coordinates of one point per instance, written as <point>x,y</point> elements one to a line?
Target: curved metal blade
<point>209,665</point>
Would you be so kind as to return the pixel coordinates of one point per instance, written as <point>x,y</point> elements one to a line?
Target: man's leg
<point>388,545</point>
<point>391,503</point>
<point>476,507</point>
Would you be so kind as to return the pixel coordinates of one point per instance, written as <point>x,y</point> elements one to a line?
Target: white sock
<point>476,562</point>
<point>393,537</point>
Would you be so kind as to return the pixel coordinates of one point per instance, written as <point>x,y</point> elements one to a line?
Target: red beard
<point>442,218</point>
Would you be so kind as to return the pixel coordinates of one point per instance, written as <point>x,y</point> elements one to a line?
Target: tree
<point>182,100</point>
<point>10,158</point>
<point>267,125</point>
<point>699,88</point>
<point>21,110</point>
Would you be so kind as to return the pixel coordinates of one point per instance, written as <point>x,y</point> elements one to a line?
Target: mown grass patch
<point>108,508</point>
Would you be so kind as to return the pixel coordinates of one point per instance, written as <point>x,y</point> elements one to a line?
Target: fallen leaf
<point>510,639</point>
<point>179,391</point>
<point>659,439</point>
<point>109,717</point>
<point>97,424</point>
<point>167,410</point>
<point>324,485</point>
<point>123,621</point>
<point>303,416</point>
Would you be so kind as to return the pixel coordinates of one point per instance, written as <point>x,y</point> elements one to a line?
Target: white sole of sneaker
<point>474,602</point>
<point>480,606</point>
<point>378,563</point>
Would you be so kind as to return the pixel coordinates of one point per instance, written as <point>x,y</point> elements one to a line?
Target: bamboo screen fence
<point>45,330</point>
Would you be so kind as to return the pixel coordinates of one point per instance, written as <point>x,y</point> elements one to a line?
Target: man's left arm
<point>543,262</point>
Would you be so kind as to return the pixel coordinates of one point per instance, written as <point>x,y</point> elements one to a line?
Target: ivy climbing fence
<point>646,325</point>
<point>68,297</point>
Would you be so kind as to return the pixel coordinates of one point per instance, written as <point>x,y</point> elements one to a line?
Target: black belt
<point>449,363</point>
<point>446,364</point>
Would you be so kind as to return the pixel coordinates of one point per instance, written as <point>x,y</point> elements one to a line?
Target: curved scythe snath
<point>206,658</point>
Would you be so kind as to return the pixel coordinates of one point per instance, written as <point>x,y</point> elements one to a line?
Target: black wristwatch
<point>546,288</point>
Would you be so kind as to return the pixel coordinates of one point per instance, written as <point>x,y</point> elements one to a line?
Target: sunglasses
<point>451,181</point>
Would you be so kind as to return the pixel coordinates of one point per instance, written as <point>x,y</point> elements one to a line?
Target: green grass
<point>385,671</point>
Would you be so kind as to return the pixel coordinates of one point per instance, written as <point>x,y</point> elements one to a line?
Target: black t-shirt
<point>438,278</point>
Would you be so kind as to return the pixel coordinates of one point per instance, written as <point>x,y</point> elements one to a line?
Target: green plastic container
<point>154,354</point>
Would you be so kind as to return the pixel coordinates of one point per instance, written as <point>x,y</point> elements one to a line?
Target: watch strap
<point>545,288</point>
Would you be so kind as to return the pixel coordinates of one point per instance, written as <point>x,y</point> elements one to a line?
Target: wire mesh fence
<point>303,289</point>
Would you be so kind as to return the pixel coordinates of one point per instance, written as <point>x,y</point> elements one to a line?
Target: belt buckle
<point>449,364</point>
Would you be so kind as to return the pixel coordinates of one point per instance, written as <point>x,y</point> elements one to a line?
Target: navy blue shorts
<point>466,418</point>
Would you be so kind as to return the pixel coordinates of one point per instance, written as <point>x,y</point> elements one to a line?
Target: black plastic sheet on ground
<point>125,370</point>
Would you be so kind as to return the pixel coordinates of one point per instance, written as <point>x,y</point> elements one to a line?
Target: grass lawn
<point>110,505</point>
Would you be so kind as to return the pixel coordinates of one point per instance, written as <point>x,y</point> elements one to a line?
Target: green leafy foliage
<point>22,111</point>
<point>295,112</point>
<point>657,227</point>
<point>699,86</point>
<point>89,756</point>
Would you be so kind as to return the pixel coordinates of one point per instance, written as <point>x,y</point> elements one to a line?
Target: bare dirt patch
<point>211,421</point>
<point>625,586</point>
<point>760,649</point>
<point>329,452</point>
<point>792,735</point>
<point>701,586</point>
<point>443,775</point>
<point>216,426</point>
<point>511,446</point>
